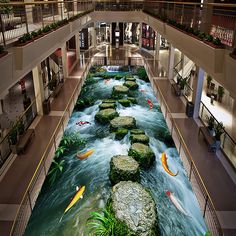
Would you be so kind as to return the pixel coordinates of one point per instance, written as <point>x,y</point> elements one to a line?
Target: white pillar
<point>29,11</point>
<point>171,62</point>
<point>197,90</point>
<point>61,10</point>
<point>94,38</point>
<point>38,88</point>
<point>64,61</point>
<point>77,46</point>
<point>140,35</point>
<point>157,49</point>
<point>75,7</point>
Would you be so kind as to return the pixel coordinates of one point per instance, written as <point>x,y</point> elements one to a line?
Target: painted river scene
<point>116,170</point>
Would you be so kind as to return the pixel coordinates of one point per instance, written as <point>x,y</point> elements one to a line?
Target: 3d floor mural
<point>116,171</point>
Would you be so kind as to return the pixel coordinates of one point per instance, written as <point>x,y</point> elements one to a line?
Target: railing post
<point>3,29</point>
<point>28,194</point>
<point>180,142</point>
<point>190,172</point>
<point>41,9</point>
<point>204,211</point>
<point>54,142</point>
<point>26,22</point>
<point>223,143</point>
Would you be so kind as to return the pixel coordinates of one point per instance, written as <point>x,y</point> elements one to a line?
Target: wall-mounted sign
<point>148,37</point>
<point>84,39</point>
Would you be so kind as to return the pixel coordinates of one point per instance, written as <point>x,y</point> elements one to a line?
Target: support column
<point>64,61</point>
<point>157,49</point>
<point>38,88</point>
<point>75,7</point>
<point>94,38</point>
<point>77,46</point>
<point>111,33</point>
<point>207,14</point>
<point>140,35</point>
<point>197,90</point>
<point>171,62</point>
<point>29,11</point>
<point>61,9</point>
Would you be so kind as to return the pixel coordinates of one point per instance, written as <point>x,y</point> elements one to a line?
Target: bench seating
<point>209,139</point>
<point>24,140</point>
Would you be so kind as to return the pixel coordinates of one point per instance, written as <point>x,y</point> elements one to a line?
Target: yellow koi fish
<point>85,155</point>
<point>165,165</point>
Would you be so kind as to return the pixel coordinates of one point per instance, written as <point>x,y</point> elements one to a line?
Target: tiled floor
<point>220,186</point>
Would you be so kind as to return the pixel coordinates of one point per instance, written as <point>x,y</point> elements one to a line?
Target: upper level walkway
<point>219,185</point>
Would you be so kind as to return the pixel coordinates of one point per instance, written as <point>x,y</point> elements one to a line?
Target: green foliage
<point>25,38</point>
<point>105,224</point>
<point>20,127</point>
<point>52,84</point>
<point>83,103</point>
<point>209,38</point>
<point>1,49</point>
<point>210,122</point>
<point>183,82</point>
<point>54,26</point>
<point>217,42</point>
<point>201,35</point>
<point>5,9</point>
<point>142,74</point>
<point>46,29</point>
<point>34,34</point>
<point>55,170</point>
<point>60,151</point>
<point>13,135</point>
<point>219,130</point>
<point>207,233</point>
<point>209,79</point>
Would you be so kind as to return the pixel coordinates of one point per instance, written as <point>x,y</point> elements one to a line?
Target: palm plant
<point>60,151</point>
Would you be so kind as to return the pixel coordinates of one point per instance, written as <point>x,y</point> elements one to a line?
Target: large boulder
<point>124,168</point>
<point>127,122</point>
<point>143,154</point>
<point>133,205</point>
<point>133,100</point>
<point>107,105</point>
<point>108,100</point>
<point>120,89</point>
<point>120,133</point>
<point>131,85</point>
<point>125,102</point>
<point>130,79</point>
<point>137,131</point>
<point>139,138</point>
<point>104,116</point>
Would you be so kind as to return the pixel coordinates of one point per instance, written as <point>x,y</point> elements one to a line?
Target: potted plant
<point>13,139</point>
<point>210,124</point>
<point>209,79</point>
<point>2,51</point>
<point>20,127</point>
<point>221,92</point>
<point>52,84</point>
<point>25,39</point>
<point>183,82</point>
<point>219,130</point>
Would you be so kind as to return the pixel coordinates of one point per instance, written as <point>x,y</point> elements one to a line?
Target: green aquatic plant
<point>60,151</point>
<point>105,224</point>
<point>142,74</point>
<point>84,102</point>
<point>55,170</point>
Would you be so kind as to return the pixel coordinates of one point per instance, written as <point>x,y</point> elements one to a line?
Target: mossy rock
<point>134,205</point>
<point>104,116</point>
<point>83,103</point>
<point>133,100</point>
<point>118,77</point>
<point>130,79</point>
<point>120,133</point>
<point>120,89</point>
<point>143,154</point>
<point>125,102</point>
<point>108,101</point>
<point>107,105</point>
<point>137,131</point>
<point>139,138</point>
<point>126,122</point>
<point>124,168</point>
<point>131,85</point>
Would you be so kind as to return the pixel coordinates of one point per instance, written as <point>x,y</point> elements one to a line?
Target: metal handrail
<point>189,155</point>
<point>234,142</point>
<point>46,149</point>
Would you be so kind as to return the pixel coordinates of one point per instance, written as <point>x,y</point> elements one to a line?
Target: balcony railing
<point>218,20</point>
<point>17,19</point>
